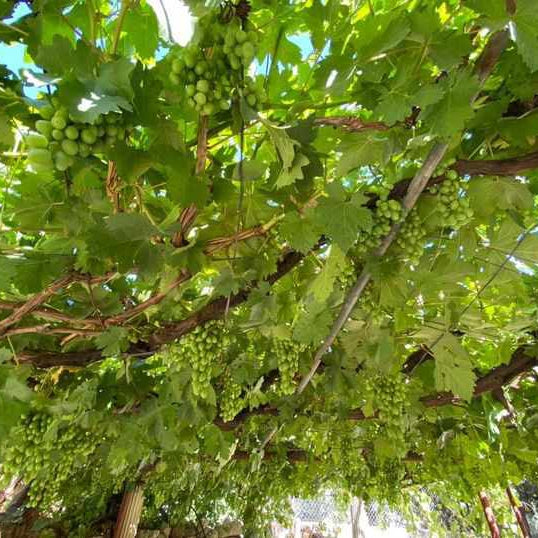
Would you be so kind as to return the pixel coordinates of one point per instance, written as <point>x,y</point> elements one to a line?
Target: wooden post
<point>129,513</point>
<point>490,516</point>
<point>520,516</point>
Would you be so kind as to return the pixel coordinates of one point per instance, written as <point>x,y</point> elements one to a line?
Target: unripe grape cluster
<point>199,349</point>
<point>58,139</point>
<point>389,396</point>
<point>453,204</point>
<point>348,276</point>
<point>387,212</point>
<point>46,461</point>
<point>231,401</point>
<point>287,353</point>
<point>212,69</point>
<point>411,238</point>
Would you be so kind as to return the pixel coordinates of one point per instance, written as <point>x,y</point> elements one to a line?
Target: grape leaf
<point>361,149</point>
<point>526,33</point>
<point>322,285</point>
<point>299,232</point>
<point>449,115</point>
<point>131,226</point>
<point>113,341</point>
<point>341,217</point>
<point>453,369</point>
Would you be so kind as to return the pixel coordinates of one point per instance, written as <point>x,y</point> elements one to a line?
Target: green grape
<point>287,353</point>
<point>231,403</point>
<point>212,71</point>
<point>411,238</point>
<point>44,127</point>
<point>58,121</point>
<point>46,112</point>
<point>453,204</point>
<point>67,138</point>
<point>47,460</point>
<point>71,132</point>
<point>387,213</point>
<point>69,147</point>
<point>89,136</point>
<point>389,396</point>
<point>199,349</point>
<point>348,276</point>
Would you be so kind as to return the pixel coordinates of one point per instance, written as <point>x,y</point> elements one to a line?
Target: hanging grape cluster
<point>389,396</point>
<point>200,349</point>
<point>387,212</point>
<point>47,462</point>
<point>58,139</point>
<point>231,402</point>
<point>287,353</point>
<point>212,69</point>
<point>348,276</point>
<point>453,204</point>
<point>411,238</point>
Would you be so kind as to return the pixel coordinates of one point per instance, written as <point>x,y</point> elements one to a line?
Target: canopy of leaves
<point>249,225</point>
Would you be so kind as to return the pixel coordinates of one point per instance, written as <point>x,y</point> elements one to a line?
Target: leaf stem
<point>121,17</point>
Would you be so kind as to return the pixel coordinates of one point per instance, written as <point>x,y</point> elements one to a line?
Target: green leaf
<point>448,116</point>
<point>113,341</point>
<point>141,30</point>
<point>453,369</point>
<point>526,32</point>
<point>6,132</point>
<point>284,145</point>
<point>130,163</point>
<point>131,226</point>
<point>115,79</point>
<point>251,170</point>
<point>86,104</point>
<point>323,284</point>
<point>290,175</point>
<point>361,149</point>
<point>313,324</point>
<point>299,232</point>
<point>18,389</point>
<point>342,218</point>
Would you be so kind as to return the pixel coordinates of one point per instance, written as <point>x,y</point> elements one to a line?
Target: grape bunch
<point>200,348</point>
<point>212,69</point>
<point>387,212</point>
<point>348,276</point>
<point>287,353</point>
<point>231,403</point>
<point>411,238</point>
<point>47,462</point>
<point>453,204</point>
<point>389,396</point>
<point>58,139</point>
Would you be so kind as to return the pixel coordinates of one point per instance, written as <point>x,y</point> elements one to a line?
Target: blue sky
<point>12,55</point>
